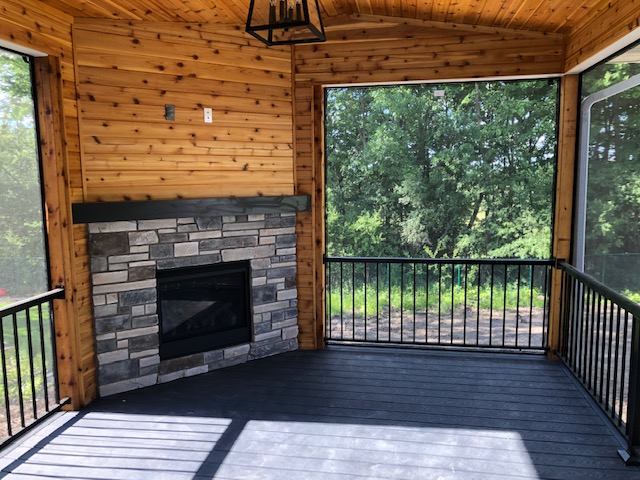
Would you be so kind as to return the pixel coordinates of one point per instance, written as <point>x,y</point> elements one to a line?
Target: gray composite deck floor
<point>337,414</point>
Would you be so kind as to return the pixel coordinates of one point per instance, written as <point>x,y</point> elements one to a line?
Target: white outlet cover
<point>208,115</point>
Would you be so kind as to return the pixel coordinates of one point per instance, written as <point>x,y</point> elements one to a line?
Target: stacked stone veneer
<point>125,256</point>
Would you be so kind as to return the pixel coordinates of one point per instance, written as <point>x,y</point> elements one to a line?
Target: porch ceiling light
<point>285,22</point>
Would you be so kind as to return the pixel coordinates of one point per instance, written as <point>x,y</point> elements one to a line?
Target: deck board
<point>337,414</point>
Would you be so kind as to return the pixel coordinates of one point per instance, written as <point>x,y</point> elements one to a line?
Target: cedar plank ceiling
<point>551,16</point>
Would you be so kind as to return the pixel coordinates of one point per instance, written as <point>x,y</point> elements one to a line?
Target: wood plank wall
<point>128,71</point>
<point>607,22</point>
<point>31,24</point>
<point>387,55</point>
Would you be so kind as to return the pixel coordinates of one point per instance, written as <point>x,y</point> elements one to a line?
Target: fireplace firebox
<point>203,308</point>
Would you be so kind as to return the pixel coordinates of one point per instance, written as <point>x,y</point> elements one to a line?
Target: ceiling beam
<point>387,21</point>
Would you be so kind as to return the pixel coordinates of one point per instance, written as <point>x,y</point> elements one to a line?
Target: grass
<point>376,300</point>
<point>354,300</point>
<point>633,296</point>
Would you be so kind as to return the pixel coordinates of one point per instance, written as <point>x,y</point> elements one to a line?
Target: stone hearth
<point>125,256</point>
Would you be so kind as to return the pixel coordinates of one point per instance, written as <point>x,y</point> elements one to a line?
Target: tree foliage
<point>612,233</point>
<point>22,253</point>
<point>454,170</point>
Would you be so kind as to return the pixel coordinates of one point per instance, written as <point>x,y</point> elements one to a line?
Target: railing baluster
<point>591,339</point>
<point>5,379</point>
<point>478,308</point>
<point>545,306</point>
<point>329,288</point>
<point>589,345</point>
<point>623,368</point>
<point>453,286</point>
<point>389,274</point>
<point>16,341</point>
<point>603,353</point>
<point>611,308</point>
<point>584,333</point>
<point>588,332</point>
<point>518,306</point>
<point>365,283</point>
<point>401,302</point>
<point>491,306</point>
<point>564,318</point>
<point>377,301</point>
<point>597,378</point>
<point>415,288</point>
<point>439,303</point>
<point>54,351</point>
<point>353,300</point>
<point>570,307</point>
<point>567,325</point>
<point>31,368</point>
<point>531,277</point>
<point>464,312</point>
<point>426,308</point>
<point>341,301</point>
<point>575,321</point>
<point>585,339</point>
<point>504,304</point>
<point>615,365</point>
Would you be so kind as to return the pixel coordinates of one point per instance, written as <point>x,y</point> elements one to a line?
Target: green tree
<point>22,252</point>
<point>441,170</point>
<point>612,234</point>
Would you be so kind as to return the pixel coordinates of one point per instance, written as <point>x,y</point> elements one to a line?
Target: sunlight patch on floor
<point>100,445</point>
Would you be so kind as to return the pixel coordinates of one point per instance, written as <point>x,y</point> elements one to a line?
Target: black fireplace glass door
<point>203,308</point>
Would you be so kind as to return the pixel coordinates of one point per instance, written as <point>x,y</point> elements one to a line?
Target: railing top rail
<point>630,306</point>
<point>32,301</point>
<point>447,261</point>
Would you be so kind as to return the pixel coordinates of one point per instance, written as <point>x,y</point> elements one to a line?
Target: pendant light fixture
<point>285,22</point>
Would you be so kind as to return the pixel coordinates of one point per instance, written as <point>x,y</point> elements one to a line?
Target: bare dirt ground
<point>469,327</point>
<point>16,421</point>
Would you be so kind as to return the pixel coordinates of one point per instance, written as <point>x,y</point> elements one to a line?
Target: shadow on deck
<point>336,414</point>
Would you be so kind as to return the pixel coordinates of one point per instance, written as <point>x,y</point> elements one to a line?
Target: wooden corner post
<point>58,225</point>
<point>563,218</point>
<point>318,215</point>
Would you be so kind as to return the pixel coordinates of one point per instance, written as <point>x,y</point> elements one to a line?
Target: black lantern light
<point>285,22</point>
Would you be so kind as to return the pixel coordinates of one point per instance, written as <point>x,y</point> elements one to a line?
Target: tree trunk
<point>476,210</point>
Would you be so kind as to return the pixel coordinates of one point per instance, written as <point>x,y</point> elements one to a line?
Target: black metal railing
<point>600,343</point>
<point>469,303</point>
<point>29,388</point>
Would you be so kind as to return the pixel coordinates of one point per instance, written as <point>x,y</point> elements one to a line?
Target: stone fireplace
<point>127,258</point>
